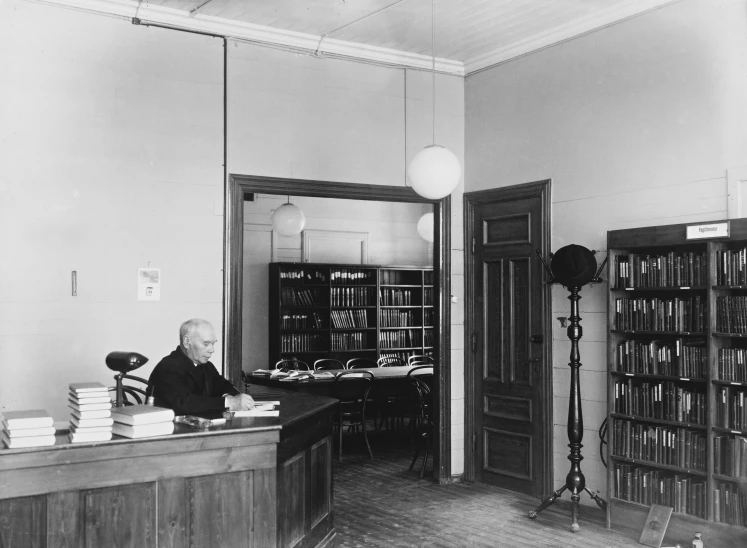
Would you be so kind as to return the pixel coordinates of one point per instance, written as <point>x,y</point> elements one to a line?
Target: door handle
<point>537,339</point>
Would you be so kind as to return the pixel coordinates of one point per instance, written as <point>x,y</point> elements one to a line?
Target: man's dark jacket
<point>177,383</point>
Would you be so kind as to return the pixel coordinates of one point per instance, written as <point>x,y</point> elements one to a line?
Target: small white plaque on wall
<point>712,230</point>
<point>334,246</point>
<point>148,284</point>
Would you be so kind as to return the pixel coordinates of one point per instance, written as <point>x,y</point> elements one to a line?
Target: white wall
<point>110,160</point>
<point>636,125</point>
<point>392,240</point>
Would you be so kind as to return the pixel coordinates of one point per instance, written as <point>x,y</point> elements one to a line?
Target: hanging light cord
<point>433,55</point>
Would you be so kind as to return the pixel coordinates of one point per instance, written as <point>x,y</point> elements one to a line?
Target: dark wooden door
<point>510,361</point>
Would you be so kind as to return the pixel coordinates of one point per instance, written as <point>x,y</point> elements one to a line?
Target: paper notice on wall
<point>148,284</point>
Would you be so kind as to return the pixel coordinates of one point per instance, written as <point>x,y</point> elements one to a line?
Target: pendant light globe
<point>288,220</point>
<point>434,172</point>
<point>425,227</point>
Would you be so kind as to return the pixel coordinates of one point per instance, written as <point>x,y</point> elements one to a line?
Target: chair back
<point>420,358</point>
<point>421,380</point>
<point>123,363</point>
<point>361,363</point>
<point>423,374</point>
<point>292,365</point>
<point>326,364</point>
<point>352,386</point>
<point>390,361</point>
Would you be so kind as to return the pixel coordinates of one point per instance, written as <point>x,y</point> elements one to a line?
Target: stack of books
<point>90,416</point>
<point>33,428</point>
<point>143,421</point>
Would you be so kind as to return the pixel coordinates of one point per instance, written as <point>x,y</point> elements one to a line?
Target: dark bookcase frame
<point>624,514</point>
<point>326,302</point>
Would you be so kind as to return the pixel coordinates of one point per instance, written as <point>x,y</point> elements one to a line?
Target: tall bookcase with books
<point>677,377</point>
<point>347,311</point>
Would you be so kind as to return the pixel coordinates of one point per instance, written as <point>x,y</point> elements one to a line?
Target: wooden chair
<point>421,421</point>
<point>390,361</point>
<point>361,363</point>
<point>292,365</point>
<point>327,364</point>
<point>352,388</point>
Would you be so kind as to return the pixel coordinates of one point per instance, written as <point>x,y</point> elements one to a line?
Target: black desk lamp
<point>123,363</point>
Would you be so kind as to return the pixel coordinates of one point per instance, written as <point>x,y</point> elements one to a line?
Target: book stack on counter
<point>143,421</point>
<point>32,428</point>
<point>90,416</point>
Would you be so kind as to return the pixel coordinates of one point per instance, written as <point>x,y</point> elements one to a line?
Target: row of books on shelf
<point>673,269</point>
<point>352,276</point>
<point>349,341</point>
<point>293,296</point>
<point>731,408</point>
<point>345,319</point>
<point>302,321</point>
<point>397,318</point>
<point>730,456</point>
<point>655,314</point>
<point>662,445</point>
<point>395,297</point>
<point>684,494</point>
<point>730,267</point>
<point>353,296</point>
<point>732,364</point>
<point>402,277</point>
<point>731,314</point>
<point>403,338</point>
<point>730,504</point>
<point>308,275</point>
<point>428,296</point>
<point>679,357</point>
<point>301,342</point>
<point>662,401</point>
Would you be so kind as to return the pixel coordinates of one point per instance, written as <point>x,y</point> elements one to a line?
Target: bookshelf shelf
<point>354,310</point>
<point>679,307</point>
<point>653,464</point>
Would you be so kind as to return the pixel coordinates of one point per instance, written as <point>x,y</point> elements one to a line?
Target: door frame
<point>238,186</point>
<point>472,200</point>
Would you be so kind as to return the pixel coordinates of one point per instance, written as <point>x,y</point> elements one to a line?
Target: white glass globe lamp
<point>434,172</point>
<point>425,227</point>
<point>288,220</point>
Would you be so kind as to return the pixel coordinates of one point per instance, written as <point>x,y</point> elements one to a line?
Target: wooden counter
<point>252,482</point>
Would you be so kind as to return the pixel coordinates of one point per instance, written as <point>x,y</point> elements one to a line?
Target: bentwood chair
<point>361,363</point>
<point>123,363</point>
<point>327,364</point>
<point>421,421</point>
<point>292,365</point>
<point>351,388</point>
<point>419,359</point>
<point>390,361</point>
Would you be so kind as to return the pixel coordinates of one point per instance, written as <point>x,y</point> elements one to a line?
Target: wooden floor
<point>380,503</point>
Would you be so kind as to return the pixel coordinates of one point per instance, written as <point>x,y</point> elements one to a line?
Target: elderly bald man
<point>187,382</point>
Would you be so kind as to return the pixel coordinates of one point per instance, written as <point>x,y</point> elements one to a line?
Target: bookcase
<point>347,311</point>
<point>677,378</point>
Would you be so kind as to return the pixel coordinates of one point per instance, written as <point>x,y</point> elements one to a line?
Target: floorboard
<point>380,503</point>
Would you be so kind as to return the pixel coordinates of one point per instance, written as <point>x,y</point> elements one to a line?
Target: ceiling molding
<point>324,47</point>
<point>260,34</point>
<point>616,14</point>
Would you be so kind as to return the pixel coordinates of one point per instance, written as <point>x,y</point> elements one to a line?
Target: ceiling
<point>470,35</point>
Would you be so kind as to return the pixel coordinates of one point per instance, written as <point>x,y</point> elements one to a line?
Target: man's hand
<point>239,402</point>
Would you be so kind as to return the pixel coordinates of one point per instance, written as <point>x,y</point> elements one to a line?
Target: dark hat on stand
<point>573,265</point>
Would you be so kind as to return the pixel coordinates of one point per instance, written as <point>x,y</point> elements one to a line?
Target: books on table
<point>30,428</point>
<point>261,409</point>
<point>143,421</point>
<point>90,415</point>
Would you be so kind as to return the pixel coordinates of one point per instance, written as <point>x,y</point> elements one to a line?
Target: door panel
<point>510,299</point>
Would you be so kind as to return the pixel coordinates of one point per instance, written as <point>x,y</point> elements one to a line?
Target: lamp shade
<point>425,227</point>
<point>288,220</point>
<point>434,172</point>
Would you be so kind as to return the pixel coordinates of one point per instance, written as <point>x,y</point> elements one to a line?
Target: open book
<point>261,409</point>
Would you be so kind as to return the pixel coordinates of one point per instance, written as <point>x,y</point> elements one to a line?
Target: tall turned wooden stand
<point>575,481</point>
